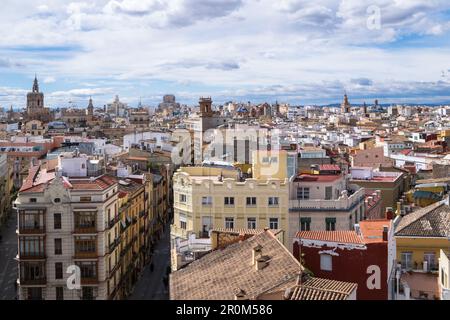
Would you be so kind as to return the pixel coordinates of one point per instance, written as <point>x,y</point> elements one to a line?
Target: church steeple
<point>90,107</point>
<point>345,106</point>
<point>35,85</point>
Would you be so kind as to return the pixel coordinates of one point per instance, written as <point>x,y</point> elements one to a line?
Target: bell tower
<point>35,99</point>
<point>345,106</point>
<point>205,107</point>
<point>90,108</point>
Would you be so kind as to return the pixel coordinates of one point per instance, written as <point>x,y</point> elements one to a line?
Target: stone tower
<point>90,109</point>
<point>345,106</point>
<point>205,107</point>
<point>364,109</point>
<point>35,100</point>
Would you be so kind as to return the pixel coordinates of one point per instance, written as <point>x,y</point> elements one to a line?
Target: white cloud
<point>49,80</point>
<point>224,45</point>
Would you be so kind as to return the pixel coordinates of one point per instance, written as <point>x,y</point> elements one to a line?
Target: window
<point>87,219</point>
<point>251,223</point>
<point>273,201</point>
<point>251,201</point>
<point>330,224</point>
<point>87,244</point>
<point>430,258</point>
<point>229,201</point>
<point>85,199</point>
<point>58,270</point>
<point>305,224</point>
<point>206,201</point>
<point>183,221</point>
<point>182,198</point>
<point>328,193</point>
<point>229,223</point>
<point>33,200</point>
<point>87,293</point>
<point>406,260</point>
<point>273,223</point>
<point>326,262</point>
<point>58,246</point>
<point>57,221</point>
<point>59,293</point>
<point>302,193</point>
<point>57,200</point>
<point>31,246</point>
<point>88,269</point>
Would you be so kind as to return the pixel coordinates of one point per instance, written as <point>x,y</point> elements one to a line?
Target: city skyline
<point>296,52</point>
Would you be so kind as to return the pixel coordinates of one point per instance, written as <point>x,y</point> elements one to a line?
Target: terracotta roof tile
<point>218,274</point>
<point>431,221</point>
<point>323,289</point>
<point>340,236</point>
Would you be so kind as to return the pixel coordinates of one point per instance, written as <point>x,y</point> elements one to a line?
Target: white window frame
<point>326,262</point>
<point>251,223</point>
<point>229,220</point>
<point>274,201</point>
<point>207,201</point>
<point>272,221</point>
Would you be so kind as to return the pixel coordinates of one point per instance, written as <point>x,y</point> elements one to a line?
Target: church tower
<point>364,109</point>
<point>205,107</point>
<point>35,100</point>
<point>90,109</point>
<point>345,106</point>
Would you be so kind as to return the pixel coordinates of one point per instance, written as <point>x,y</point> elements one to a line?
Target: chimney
<point>399,208</point>
<point>240,295</point>
<point>385,233</point>
<point>262,262</point>
<point>299,278</point>
<point>389,213</point>
<point>255,253</point>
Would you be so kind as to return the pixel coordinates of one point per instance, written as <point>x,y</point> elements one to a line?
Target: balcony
<point>33,282</point>
<point>89,280</point>
<point>85,229</point>
<point>124,207</point>
<point>32,256</point>
<point>113,245</point>
<point>32,230</point>
<point>113,222</point>
<point>86,255</point>
<point>345,202</point>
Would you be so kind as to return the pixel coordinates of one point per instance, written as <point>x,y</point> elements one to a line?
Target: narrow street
<point>151,286</point>
<point>8,266</point>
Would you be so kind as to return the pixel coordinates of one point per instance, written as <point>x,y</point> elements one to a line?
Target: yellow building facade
<point>218,197</point>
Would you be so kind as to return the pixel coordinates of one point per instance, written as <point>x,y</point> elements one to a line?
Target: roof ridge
<point>420,214</point>
<point>324,289</point>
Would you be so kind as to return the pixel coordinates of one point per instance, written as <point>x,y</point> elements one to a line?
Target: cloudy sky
<point>297,51</point>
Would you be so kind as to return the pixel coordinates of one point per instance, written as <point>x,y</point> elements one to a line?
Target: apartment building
<point>420,237</point>
<point>132,238</point>
<point>77,216</point>
<point>6,185</point>
<point>391,184</point>
<point>324,200</point>
<point>23,151</point>
<point>66,222</point>
<point>350,256</point>
<point>444,275</point>
<point>207,197</point>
